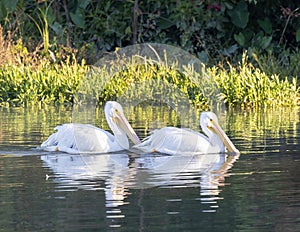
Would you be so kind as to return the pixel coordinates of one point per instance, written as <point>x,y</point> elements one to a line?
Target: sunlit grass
<point>248,86</point>
<point>46,83</point>
<point>54,83</point>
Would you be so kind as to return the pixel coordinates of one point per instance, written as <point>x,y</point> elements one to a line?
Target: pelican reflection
<point>116,174</point>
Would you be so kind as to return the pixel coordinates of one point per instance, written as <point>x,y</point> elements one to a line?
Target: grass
<point>142,82</point>
<point>44,84</point>
<point>248,86</point>
<point>29,78</point>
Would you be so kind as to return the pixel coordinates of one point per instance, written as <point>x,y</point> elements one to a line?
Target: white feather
<point>84,138</point>
<point>79,138</point>
<point>172,140</point>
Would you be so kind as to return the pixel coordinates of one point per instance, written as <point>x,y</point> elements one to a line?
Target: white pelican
<point>84,138</point>
<point>172,140</point>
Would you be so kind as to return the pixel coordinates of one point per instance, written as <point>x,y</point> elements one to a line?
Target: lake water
<point>125,191</point>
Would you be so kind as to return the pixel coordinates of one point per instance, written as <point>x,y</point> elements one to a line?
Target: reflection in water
<point>263,192</point>
<point>117,174</point>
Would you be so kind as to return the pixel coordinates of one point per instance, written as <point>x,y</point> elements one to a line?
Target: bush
<point>209,29</point>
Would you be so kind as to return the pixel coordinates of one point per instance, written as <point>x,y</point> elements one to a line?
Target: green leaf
<point>298,35</point>
<point>56,27</point>
<point>84,3</point>
<point>265,41</point>
<point>78,19</point>
<point>239,15</point>
<point>128,30</point>
<point>266,25</point>
<point>50,15</point>
<point>7,6</point>
<point>164,23</point>
<point>240,38</point>
<point>228,5</point>
<point>203,57</point>
<point>229,51</point>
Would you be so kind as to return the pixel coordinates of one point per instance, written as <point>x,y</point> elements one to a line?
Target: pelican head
<point>119,124</point>
<point>210,126</point>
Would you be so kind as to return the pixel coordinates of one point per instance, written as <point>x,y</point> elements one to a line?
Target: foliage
<point>43,24</point>
<point>46,84</point>
<point>209,29</point>
<point>51,83</point>
<point>149,81</point>
<point>285,64</point>
<point>246,86</point>
<point>242,86</point>
<point>30,77</point>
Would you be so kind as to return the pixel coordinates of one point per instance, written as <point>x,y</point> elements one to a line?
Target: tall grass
<point>50,83</point>
<point>248,86</point>
<point>42,24</point>
<point>240,86</point>
<point>148,81</point>
<point>47,83</point>
<point>284,64</point>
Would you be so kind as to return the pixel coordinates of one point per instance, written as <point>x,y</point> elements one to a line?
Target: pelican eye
<point>211,120</point>
<point>116,112</point>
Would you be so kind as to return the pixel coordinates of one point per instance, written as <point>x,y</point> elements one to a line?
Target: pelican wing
<point>81,138</point>
<point>172,140</point>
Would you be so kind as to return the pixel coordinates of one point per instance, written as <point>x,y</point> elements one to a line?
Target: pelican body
<point>173,140</point>
<point>84,138</point>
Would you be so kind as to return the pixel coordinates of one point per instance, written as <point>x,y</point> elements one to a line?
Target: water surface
<point>125,191</point>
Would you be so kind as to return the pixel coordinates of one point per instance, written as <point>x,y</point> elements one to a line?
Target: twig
<point>286,23</point>
<point>135,21</point>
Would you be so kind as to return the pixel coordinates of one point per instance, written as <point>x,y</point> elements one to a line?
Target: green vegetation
<point>210,29</point>
<point>249,49</point>
<point>59,83</point>
<point>44,84</point>
<point>246,85</point>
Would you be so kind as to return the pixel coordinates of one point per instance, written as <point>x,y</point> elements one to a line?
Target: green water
<point>256,191</point>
